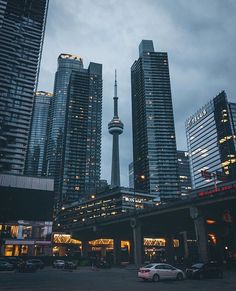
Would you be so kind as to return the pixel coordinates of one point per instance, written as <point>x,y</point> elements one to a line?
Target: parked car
<point>15,261</point>
<point>59,264</point>
<point>70,265</point>
<point>27,266</point>
<point>38,263</point>
<point>3,259</point>
<point>5,266</point>
<point>156,272</point>
<point>103,264</point>
<point>207,270</point>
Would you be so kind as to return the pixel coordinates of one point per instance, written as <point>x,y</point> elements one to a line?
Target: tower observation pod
<point>115,127</point>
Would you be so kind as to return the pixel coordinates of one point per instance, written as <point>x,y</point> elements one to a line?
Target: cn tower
<point>115,127</point>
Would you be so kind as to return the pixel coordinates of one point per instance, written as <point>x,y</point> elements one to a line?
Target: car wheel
<point>180,277</point>
<point>155,278</point>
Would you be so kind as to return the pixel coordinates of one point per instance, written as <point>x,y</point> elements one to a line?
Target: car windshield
<point>197,266</point>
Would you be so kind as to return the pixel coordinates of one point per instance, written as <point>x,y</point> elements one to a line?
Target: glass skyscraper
<point>22,25</point>
<point>154,143</point>
<point>36,153</point>
<point>184,173</point>
<point>82,151</point>
<point>66,63</point>
<point>211,139</point>
<point>74,147</point>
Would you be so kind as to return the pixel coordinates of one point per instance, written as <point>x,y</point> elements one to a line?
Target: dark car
<point>103,264</point>
<point>38,263</point>
<point>27,266</point>
<point>15,261</point>
<point>70,265</point>
<point>5,266</point>
<point>207,270</point>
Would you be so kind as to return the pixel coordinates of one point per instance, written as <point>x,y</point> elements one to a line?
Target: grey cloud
<point>199,36</point>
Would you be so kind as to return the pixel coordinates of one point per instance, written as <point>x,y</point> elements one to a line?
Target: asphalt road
<point>86,279</point>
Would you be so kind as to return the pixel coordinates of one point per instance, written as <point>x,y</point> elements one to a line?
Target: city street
<point>116,279</point>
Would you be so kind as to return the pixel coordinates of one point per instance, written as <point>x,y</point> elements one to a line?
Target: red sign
<point>216,190</point>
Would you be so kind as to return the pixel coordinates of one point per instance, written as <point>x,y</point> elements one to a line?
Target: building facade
<point>36,153</point>
<point>185,182</point>
<point>22,25</point>
<point>74,147</point>
<point>66,63</point>
<point>82,150</point>
<point>131,175</point>
<point>154,143</point>
<point>106,204</point>
<point>211,139</point>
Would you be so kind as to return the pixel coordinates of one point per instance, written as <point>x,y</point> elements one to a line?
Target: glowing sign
<point>217,190</point>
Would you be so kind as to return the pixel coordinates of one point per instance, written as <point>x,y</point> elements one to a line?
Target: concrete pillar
<point>85,248</point>
<point>31,250</point>
<point>2,249</point>
<point>201,234</point>
<point>185,243</point>
<point>116,251</point>
<point>103,251</point>
<point>169,249</point>
<point>138,242</point>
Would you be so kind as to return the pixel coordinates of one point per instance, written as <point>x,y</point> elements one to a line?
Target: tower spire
<point>115,96</point>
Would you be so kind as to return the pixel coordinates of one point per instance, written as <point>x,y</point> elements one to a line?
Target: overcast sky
<point>199,36</point>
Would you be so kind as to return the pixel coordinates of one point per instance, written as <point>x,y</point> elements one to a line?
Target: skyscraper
<point>115,128</point>
<point>66,63</point>
<point>184,173</point>
<point>211,138</point>
<point>154,143</point>
<point>74,148</point>
<point>82,148</point>
<point>22,25</point>
<point>36,153</point>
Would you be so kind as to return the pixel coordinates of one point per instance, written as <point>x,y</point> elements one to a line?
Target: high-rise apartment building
<point>154,143</point>
<point>211,138</point>
<point>36,153</point>
<point>184,173</point>
<point>55,146</point>
<point>22,25</point>
<point>82,147</point>
<point>74,147</point>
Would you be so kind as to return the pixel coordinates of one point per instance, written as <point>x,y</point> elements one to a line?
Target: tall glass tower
<point>36,153</point>
<point>66,63</point>
<point>211,138</point>
<point>22,25</point>
<point>154,143</point>
<point>74,148</point>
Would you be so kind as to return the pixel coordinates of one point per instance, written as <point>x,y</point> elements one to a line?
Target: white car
<point>156,272</point>
<point>59,264</point>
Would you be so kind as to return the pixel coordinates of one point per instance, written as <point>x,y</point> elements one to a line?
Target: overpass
<point>206,217</point>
